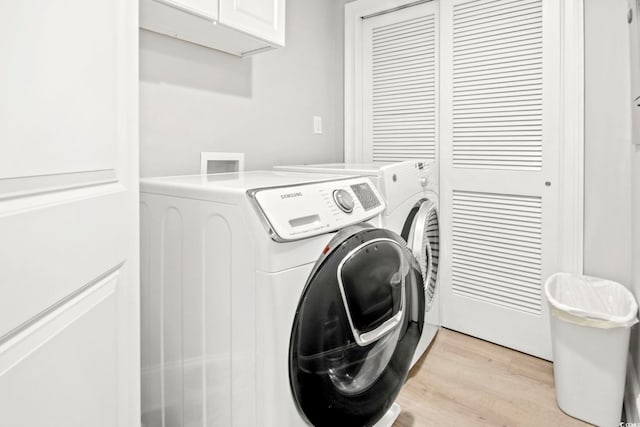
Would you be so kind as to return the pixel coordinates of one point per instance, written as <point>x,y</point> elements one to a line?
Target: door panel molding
<point>19,187</point>
<point>58,249</point>
<point>66,369</point>
<point>23,341</point>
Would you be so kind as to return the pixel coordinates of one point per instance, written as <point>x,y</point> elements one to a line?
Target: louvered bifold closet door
<point>499,104</point>
<point>400,80</point>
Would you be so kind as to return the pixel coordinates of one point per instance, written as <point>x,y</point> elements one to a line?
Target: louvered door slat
<point>495,106</point>
<point>493,81</point>
<point>422,90</point>
<point>514,45</point>
<point>507,36</point>
<point>406,68</point>
<point>400,54</point>
<point>504,285</point>
<point>399,25</point>
<point>395,99</point>
<point>405,61</point>
<point>403,38</point>
<point>508,24</point>
<point>497,112</point>
<point>470,7</point>
<point>501,16</point>
<point>401,71</point>
<point>424,96</point>
<point>401,85</point>
<point>498,251</point>
<point>533,127</point>
<point>504,57</point>
<point>479,36</point>
<point>488,67</point>
<point>491,295</point>
<point>402,120</point>
<point>406,81</point>
<point>481,257</point>
<point>404,27</point>
<point>515,120</point>
<point>509,229</point>
<point>500,243</point>
<point>497,59</point>
<point>500,269</point>
<point>501,272</point>
<point>422,51</point>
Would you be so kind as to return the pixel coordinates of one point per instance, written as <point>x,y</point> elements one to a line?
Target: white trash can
<point>590,323</point>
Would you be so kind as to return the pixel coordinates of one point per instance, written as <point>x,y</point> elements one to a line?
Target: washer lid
<point>356,328</point>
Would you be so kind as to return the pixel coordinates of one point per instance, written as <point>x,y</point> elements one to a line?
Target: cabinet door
<point>207,9</point>
<point>260,18</point>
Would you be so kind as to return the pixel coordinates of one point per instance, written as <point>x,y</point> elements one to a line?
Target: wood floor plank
<point>465,381</point>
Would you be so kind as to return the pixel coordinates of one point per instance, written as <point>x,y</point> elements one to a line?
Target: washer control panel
<point>344,200</point>
<point>366,196</point>
<point>306,210</point>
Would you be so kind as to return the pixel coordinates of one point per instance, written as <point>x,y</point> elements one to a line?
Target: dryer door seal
<point>422,233</point>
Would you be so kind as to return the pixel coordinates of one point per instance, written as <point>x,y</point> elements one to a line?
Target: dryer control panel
<point>301,211</point>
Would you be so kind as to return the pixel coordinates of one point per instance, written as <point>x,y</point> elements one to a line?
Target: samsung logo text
<point>291,195</point>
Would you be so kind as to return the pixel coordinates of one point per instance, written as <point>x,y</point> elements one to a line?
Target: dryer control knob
<point>424,181</point>
<point>344,200</point>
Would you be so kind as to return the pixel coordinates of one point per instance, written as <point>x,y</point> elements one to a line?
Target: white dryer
<point>410,190</point>
<point>267,300</point>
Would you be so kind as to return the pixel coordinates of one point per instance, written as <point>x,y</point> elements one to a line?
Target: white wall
<point>607,239</point>
<point>635,239</point>
<point>635,236</point>
<point>195,99</point>
<point>612,237</point>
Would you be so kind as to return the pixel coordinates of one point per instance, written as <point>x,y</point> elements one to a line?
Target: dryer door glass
<point>356,329</point>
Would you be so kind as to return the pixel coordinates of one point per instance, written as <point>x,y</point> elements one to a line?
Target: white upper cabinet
<point>261,18</point>
<point>207,9</point>
<point>239,27</point>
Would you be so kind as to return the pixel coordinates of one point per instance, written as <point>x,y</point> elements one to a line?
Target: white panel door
<point>400,85</point>
<point>68,214</point>
<point>264,19</point>
<point>499,150</point>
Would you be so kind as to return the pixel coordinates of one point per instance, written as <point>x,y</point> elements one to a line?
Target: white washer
<point>268,301</point>
<point>410,190</point>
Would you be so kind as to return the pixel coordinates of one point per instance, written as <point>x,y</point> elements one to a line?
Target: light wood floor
<point>463,381</point>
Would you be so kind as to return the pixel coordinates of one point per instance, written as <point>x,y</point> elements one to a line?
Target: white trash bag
<point>590,301</point>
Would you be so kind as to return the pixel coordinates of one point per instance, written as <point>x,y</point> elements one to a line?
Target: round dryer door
<point>422,233</point>
<point>356,328</point>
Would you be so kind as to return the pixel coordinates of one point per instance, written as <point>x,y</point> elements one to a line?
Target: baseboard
<point>632,394</point>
